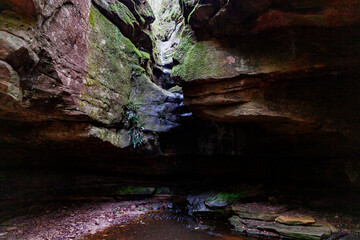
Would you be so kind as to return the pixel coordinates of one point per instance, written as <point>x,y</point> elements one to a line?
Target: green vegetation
<point>128,190</point>
<point>197,60</point>
<point>124,13</point>
<point>145,55</point>
<point>131,122</point>
<point>225,197</point>
<point>192,11</point>
<point>111,58</point>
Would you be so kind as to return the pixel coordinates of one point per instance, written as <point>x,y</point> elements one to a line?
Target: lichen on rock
<point>111,58</point>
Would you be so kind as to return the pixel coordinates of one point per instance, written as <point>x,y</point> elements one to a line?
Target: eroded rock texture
<point>290,68</point>
<point>78,63</point>
<point>272,85</point>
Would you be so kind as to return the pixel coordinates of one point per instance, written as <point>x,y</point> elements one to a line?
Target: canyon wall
<point>288,68</point>
<point>98,86</point>
<point>71,70</point>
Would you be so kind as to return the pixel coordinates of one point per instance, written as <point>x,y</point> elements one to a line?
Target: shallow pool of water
<point>168,226</point>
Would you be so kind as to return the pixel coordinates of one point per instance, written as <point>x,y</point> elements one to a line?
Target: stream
<point>167,225</point>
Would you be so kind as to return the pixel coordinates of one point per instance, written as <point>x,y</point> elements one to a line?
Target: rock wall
<point>80,64</point>
<point>291,69</point>
<point>85,85</point>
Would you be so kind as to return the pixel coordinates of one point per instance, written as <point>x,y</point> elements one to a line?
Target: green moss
<point>89,82</point>
<point>196,59</point>
<point>145,55</point>
<point>112,59</point>
<point>124,13</point>
<point>13,21</point>
<point>144,11</point>
<point>107,63</point>
<point>92,19</point>
<point>129,190</point>
<point>192,11</point>
<point>138,70</point>
<point>184,45</point>
<point>175,89</point>
<point>225,197</point>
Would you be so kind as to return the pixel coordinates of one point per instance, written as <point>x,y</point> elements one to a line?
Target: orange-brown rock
<point>295,220</point>
<point>289,68</point>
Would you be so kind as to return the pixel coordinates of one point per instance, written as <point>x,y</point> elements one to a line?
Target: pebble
<point>133,207</point>
<point>11,229</point>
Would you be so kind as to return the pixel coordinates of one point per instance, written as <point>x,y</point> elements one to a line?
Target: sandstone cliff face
<point>274,83</point>
<point>290,68</point>
<point>78,65</point>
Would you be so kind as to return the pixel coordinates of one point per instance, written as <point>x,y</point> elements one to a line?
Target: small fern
<point>131,122</point>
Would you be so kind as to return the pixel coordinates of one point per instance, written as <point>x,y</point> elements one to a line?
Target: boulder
<point>319,230</point>
<point>232,195</point>
<point>197,203</point>
<point>295,220</point>
<point>258,211</point>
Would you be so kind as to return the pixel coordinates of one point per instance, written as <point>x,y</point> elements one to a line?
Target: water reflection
<point>167,226</point>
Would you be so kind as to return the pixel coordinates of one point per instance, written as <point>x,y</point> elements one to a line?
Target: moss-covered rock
<point>118,138</point>
<point>223,199</point>
<point>133,190</point>
<point>119,14</point>
<point>115,11</point>
<point>168,15</point>
<point>112,59</point>
<point>156,106</point>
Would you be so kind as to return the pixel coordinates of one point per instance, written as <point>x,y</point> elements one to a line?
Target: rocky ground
<point>273,218</point>
<point>72,220</point>
<point>252,211</point>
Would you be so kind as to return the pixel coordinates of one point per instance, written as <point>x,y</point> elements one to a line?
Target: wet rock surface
<point>277,217</point>
<point>267,219</point>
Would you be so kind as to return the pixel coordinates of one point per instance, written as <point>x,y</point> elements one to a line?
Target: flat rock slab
<point>318,230</point>
<point>242,228</point>
<point>295,220</point>
<point>258,211</point>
